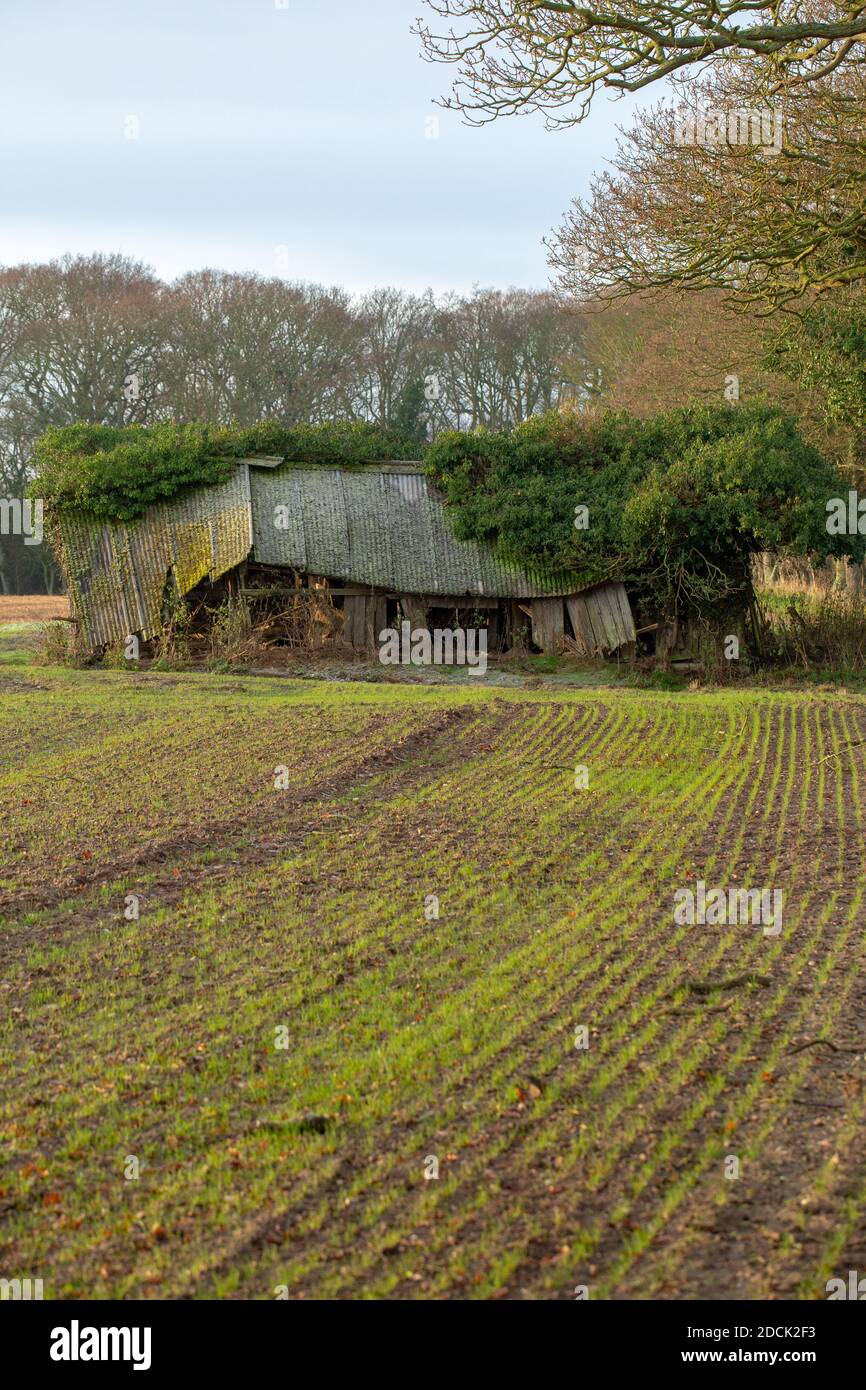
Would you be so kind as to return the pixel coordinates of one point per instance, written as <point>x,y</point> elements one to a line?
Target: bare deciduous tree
<point>554,55</point>
<point>771,224</point>
<point>503,356</point>
<point>88,329</point>
<point>100,339</point>
<point>244,348</point>
<point>396,330</point>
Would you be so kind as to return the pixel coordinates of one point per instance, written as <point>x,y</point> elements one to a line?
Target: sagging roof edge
<point>116,570</point>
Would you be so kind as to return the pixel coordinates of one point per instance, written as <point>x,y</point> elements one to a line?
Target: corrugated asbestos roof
<point>117,571</point>
<point>376,524</point>
<point>381,525</point>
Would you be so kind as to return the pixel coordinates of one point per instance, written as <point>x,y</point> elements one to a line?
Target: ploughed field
<point>252,1086</point>
<point>32,608</point>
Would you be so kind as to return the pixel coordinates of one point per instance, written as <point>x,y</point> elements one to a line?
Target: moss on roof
<point>115,473</point>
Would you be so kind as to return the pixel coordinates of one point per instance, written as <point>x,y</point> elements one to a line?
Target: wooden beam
<point>354,610</point>
<point>415,609</point>
<point>375,619</point>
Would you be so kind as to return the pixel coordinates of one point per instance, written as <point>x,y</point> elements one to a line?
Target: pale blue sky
<point>261,128</point>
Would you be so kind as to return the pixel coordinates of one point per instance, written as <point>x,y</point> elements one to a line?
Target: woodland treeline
<point>102,339</point>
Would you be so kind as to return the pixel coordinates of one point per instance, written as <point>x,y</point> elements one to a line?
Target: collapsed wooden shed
<point>376,535</point>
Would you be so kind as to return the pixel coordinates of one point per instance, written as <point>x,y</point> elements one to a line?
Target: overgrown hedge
<point>117,473</point>
<point>677,504</point>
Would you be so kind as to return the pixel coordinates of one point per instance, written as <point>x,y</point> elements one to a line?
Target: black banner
<point>86,1340</point>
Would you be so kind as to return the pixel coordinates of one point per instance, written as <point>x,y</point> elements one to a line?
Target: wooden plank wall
<point>548,623</point>
<point>415,609</point>
<point>354,608</point>
<point>375,619</point>
<point>602,618</point>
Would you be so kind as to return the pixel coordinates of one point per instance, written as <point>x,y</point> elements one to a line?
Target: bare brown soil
<point>561,1168</point>
<point>33,608</point>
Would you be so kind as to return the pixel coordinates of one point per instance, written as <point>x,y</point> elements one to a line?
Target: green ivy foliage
<point>117,473</point>
<point>677,504</point>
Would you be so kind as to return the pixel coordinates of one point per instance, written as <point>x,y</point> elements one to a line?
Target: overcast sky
<point>290,141</point>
